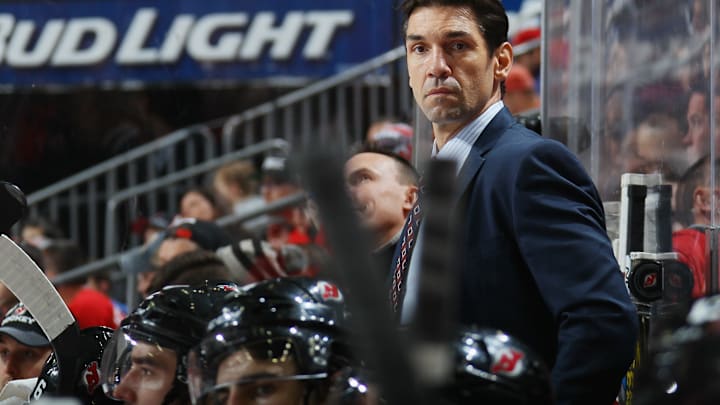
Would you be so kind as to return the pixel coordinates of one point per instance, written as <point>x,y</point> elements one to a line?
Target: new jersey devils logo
<point>650,280</point>
<point>508,362</point>
<point>330,292</point>
<point>91,377</point>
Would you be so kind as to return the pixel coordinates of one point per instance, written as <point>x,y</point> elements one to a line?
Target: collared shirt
<point>459,146</point>
<point>456,149</point>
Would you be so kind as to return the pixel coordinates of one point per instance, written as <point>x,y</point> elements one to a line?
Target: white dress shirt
<point>456,149</point>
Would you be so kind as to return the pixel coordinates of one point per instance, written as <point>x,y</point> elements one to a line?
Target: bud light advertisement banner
<point>131,42</point>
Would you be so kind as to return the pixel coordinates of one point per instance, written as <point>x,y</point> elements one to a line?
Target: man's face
<point>195,205</point>
<point>262,381</point>
<point>150,377</point>
<point>18,361</point>
<point>452,75</point>
<point>173,247</point>
<point>697,139</point>
<point>381,201</point>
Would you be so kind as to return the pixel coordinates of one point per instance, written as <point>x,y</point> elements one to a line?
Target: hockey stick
<point>28,283</point>
<point>434,322</point>
<point>383,347</point>
<point>25,279</point>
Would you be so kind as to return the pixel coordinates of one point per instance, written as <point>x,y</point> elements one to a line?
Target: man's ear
<point>503,61</point>
<point>701,199</point>
<point>411,195</point>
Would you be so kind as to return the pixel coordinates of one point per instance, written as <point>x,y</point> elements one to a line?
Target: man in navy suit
<point>534,256</point>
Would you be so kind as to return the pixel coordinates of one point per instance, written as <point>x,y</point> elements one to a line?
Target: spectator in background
<point>694,213</point>
<point>236,183</point>
<point>38,231</point>
<point>23,346</point>
<point>391,136</point>
<point>139,264</point>
<point>100,281</point>
<point>383,188</point>
<point>200,203</point>
<point>520,94</point>
<point>148,228</point>
<point>291,225</point>
<point>190,236</point>
<point>697,139</point>
<point>526,52</point>
<point>187,236</point>
<point>191,268</point>
<point>656,146</point>
<point>90,307</point>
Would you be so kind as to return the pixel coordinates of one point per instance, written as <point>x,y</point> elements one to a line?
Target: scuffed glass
<point>627,85</point>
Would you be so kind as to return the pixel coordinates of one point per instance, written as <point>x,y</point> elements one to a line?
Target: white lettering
<point>217,37</point>
<point>282,38</point>
<point>132,51</point>
<point>68,52</point>
<point>19,56</point>
<point>40,388</point>
<point>199,46</point>
<point>7,21</point>
<point>325,23</point>
<point>172,48</point>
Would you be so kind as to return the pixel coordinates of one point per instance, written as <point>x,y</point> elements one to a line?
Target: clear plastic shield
<point>632,87</point>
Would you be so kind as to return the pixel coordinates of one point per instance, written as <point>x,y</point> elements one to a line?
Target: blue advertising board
<point>98,42</point>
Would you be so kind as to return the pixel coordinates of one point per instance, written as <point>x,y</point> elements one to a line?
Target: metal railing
<point>338,109</point>
<point>76,202</point>
<point>155,189</point>
<point>113,261</point>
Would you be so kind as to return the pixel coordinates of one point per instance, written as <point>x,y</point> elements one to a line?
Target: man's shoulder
<point>518,140</point>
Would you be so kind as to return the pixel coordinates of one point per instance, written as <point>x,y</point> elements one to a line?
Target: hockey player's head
<point>492,367</point>
<point>86,372</point>
<point>145,362</point>
<point>683,365</point>
<point>279,343</point>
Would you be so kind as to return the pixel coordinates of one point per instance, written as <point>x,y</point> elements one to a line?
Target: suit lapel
<point>485,142</point>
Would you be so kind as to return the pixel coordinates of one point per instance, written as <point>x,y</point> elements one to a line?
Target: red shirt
<point>690,245</point>
<point>92,308</point>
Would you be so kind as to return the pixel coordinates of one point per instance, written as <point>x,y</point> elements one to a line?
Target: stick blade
<point>30,285</point>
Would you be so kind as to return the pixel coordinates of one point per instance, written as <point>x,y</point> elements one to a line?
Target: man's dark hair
<point>406,172</point>
<point>191,268</point>
<point>50,229</point>
<point>490,16</point>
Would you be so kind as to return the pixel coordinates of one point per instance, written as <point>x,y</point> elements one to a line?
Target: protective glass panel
<point>627,84</point>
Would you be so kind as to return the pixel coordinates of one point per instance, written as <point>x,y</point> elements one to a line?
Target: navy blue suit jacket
<point>536,261</point>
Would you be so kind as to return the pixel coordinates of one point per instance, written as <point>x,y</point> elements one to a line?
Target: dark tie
<point>403,253</point>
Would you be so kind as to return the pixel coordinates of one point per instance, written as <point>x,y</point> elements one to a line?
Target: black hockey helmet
<point>172,320</point>
<point>87,379</point>
<point>492,367</point>
<point>296,324</point>
<point>684,364</point>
